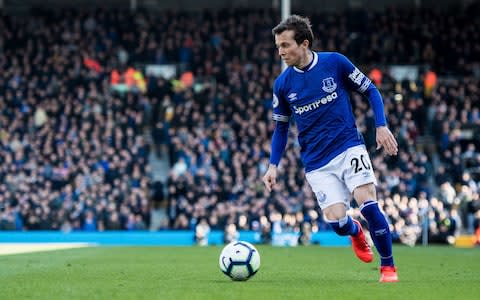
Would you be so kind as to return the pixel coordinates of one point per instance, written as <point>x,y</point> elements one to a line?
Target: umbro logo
<point>292,96</point>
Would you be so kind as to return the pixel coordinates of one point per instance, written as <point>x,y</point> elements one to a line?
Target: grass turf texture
<point>193,273</point>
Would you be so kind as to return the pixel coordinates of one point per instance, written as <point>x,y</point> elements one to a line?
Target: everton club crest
<point>329,85</point>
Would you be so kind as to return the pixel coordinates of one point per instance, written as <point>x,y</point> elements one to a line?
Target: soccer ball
<point>239,260</point>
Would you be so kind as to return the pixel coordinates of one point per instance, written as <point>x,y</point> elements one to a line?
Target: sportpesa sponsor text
<point>316,104</point>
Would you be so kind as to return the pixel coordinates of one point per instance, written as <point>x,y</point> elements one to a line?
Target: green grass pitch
<point>192,273</point>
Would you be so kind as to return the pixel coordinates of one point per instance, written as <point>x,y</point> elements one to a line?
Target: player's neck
<point>308,59</point>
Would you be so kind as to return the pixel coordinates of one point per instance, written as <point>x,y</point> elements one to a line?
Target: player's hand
<point>270,177</point>
<point>386,140</point>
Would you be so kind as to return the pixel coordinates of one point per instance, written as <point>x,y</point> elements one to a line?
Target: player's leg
<point>365,195</point>
<point>333,197</point>
<point>344,225</point>
<point>360,179</point>
<point>377,224</point>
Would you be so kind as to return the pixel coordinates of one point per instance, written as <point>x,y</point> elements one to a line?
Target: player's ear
<point>306,44</point>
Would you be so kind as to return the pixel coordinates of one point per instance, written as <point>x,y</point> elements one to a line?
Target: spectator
<point>202,231</point>
<point>231,234</point>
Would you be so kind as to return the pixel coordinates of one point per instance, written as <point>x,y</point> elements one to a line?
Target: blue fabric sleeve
<point>279,141</point>
<point>376,103</point>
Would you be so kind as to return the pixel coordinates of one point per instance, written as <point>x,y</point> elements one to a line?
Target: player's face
<point>291,53</point>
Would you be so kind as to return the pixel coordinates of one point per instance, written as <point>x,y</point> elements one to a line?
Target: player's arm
<point>281,115</point>
<point>357,81</point>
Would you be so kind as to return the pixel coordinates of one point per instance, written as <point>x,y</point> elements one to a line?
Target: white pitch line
<point>17,248</point>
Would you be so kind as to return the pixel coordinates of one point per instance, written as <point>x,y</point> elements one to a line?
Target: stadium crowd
<point>74,153</point>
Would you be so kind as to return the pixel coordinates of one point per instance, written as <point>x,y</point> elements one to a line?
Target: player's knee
<point>364,193</point>
<point>335,212</point>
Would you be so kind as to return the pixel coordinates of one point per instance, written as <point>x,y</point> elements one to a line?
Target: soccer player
<point>313,89</point>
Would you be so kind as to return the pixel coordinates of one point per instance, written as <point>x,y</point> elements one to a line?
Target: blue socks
<point>345,226</point>
<point>379,231</point>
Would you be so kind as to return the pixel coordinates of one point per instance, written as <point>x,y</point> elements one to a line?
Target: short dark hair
<point>301,27</point>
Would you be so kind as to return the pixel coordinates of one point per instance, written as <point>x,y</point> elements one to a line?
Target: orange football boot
<point>388,274</point>
<point>360,246</point>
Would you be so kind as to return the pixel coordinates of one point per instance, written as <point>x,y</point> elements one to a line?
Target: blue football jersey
<point>318,100</point>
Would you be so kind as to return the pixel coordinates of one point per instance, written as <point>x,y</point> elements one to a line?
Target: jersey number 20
<point>360,164</point>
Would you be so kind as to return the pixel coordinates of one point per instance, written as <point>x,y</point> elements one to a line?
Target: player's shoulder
<point>330,56</point>
<point>282,78</point>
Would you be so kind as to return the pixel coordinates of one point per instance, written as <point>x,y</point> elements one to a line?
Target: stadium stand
<point>81,125</point>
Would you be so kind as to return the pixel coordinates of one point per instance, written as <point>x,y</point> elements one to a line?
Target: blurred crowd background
<point>89,141</point>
